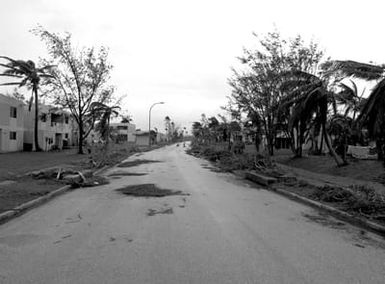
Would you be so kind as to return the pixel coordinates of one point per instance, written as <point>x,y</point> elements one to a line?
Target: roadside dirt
<point>23,190</point>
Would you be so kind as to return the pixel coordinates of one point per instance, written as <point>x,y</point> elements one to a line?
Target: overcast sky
<point>181,52</point>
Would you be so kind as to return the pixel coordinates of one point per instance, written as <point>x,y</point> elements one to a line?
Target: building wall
<point>11,129</point>
<point>54,132</point>
<point>142,140</point>
<point>126,130</point>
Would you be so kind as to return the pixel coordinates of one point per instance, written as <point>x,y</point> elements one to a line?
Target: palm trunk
<point>36,127</point>
<point>337,159</point>
<point>322,142</point>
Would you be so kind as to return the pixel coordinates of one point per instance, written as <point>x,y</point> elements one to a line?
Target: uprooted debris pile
<point>358,199</point>
<point>226,160</point>
<point>69,176</point>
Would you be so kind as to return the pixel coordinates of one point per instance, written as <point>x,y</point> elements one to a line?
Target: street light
<point>149,122</point>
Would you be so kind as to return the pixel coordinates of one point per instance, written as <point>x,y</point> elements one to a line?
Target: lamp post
<point>149,122</point>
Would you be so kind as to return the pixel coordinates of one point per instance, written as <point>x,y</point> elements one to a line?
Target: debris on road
<point>136,163</point>
<point>148,190</point>
<point>126,174</point>
<point>152,212</point>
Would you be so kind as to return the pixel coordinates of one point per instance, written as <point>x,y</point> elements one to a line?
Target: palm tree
<point>350,99</point>
<point>126,118</point>
<point>308,98</point>
<point>103,113</point>
<point>30,76</point>
<point>372,114</point>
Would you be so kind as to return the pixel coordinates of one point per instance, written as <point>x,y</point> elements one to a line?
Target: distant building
<point>142,138</point>
<point>123,132</point>
<point>11,124</point>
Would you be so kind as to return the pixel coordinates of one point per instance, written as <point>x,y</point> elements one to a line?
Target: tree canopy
<point>80,78</point>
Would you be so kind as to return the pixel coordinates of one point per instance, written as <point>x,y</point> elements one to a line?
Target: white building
<point>11,124</point>
<point>54,129</point>
<point>124,132</point>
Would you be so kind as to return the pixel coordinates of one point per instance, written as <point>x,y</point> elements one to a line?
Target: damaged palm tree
<point>372,115</point>
<point>308,99</point>
<point>103,114</point>
<point>29,76</point>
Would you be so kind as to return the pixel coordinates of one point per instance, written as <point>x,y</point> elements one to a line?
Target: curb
<point>351,219</point>
<point>21,209</point>
<point>371,226</point>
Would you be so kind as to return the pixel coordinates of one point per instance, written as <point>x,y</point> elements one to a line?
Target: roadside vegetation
<point>286,94</point>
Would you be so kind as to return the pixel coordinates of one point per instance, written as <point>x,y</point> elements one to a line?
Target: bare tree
<point>80,78</point>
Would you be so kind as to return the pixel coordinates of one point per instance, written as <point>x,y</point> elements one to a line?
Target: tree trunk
<point>380,152</point>
<point>270,145</point>
<point>322,141</point>
<point>299,146</point>
<point>337,159</point>
<point>344,150</point>
<point>80,149</point>
<point>292,142</point>
<point>36,127</point>
<point>257,141</point>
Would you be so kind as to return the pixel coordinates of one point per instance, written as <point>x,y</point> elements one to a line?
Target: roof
<point>10,100</point>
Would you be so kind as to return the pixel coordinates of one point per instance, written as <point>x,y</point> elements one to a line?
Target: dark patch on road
<point>119,174</point>
<point>148,190</point>
<point>119,238</point>
<point>324,220</point>
<point>182,206</point>
<point>66,236</point>
<point>74,220</point>
<point>136,163</point>
<point>152,212</point>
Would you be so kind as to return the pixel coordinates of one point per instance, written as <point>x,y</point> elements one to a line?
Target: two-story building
<point>124,132</point>
<point>54,128</point>
<point>11,124</point>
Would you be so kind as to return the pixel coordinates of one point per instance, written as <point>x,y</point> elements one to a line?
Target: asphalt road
<point>225,231</point>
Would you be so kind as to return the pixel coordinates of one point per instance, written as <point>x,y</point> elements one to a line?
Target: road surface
<point>225,231</point>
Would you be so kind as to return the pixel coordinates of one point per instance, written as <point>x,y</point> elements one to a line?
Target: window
<point>13,112</point>
<point>66,135</point>
<point>121,138</point>
<point>122,127</point>
<point>12,135</point>
<point>66,119</point>
<point>43,117</point>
